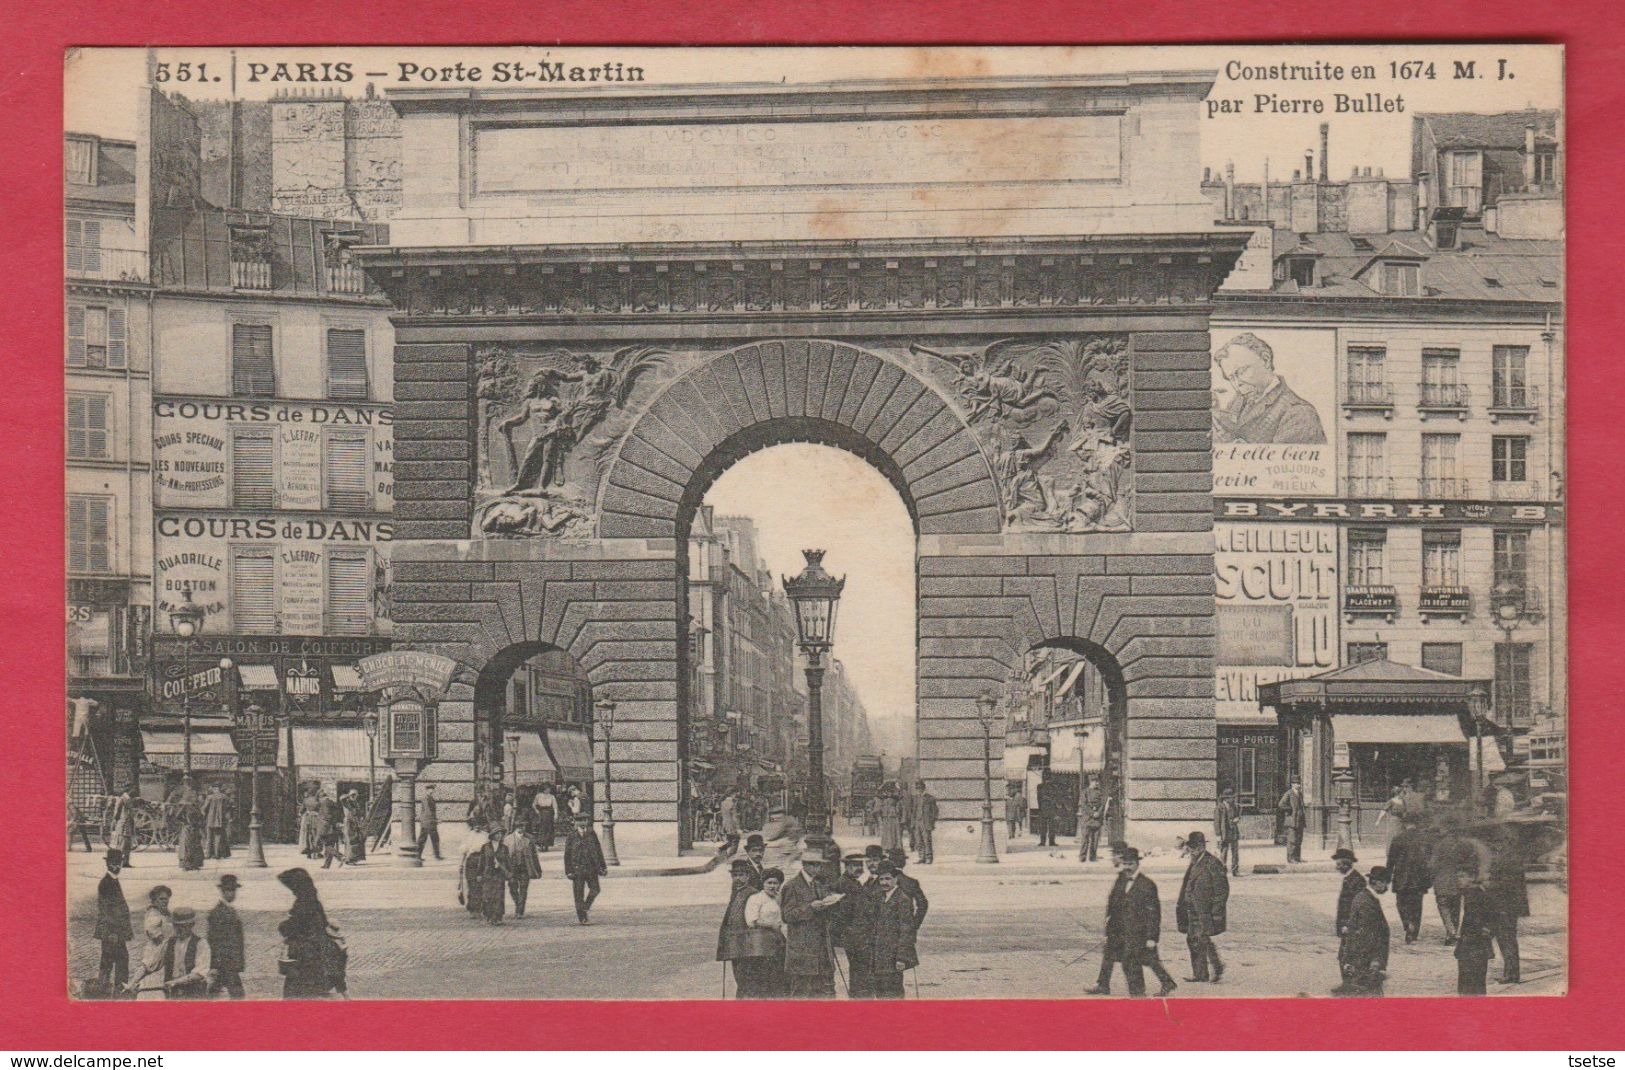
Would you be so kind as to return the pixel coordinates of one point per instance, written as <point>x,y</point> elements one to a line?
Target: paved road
<point>991,933</point>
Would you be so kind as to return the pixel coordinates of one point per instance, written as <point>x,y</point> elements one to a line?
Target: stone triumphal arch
<point>997,294</point>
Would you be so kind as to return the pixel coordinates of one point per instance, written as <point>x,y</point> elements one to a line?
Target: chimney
<point>1207,172</point>
<point>1229,189</point>
<point>1529,154</point>
<point>1309,165</point>
<point>1325,139</point>
<point>1268,217</point>
<point>1296,175</point>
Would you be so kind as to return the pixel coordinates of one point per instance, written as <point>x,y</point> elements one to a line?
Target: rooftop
<point>1484,267</point>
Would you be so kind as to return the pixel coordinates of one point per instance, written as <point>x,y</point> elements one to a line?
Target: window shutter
<point>115,337</point>
<point>253,369</point>
<point>347,475</point>
<point>349,595</point>
<point>87,425</point>
<point>347,363</point>
<point>92,243</point>
<point>75,245</point>
<point>253,591</point>
<point>76,336</point>
<point>99,535</point>
<point>253,471</point>
<point>78,529</point>
<point>77,405</point>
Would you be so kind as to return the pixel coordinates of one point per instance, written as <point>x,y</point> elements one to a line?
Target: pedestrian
<point>1362,954</point>
<point>310,824</point>
<point>1293,818</point>
<point>1015,808</point>
<point>490,866</point>
<point>1041,814</point>
<point>584,864</point>
<point>1133,927</point>
<point>910,886</point>
<point>429,823</point>
<point>890,816</point>
<point>1227,830</point>
<point>544,817</point>
<point>872,857</point>
<point>355,830</point>
<point>1411,875</point>
<point>765,939</point>
<point>871,816</point>
<point>189,847</point>
<point>888,938</point>
<point>216,810</point>
<point>226,942</point>
<point>113,929</point>
<point>925,823</point>
<point>1094,818</point>
<point>574,803</point>
<point>1451,856</point>
<point>332,831</point>
<point>734,935</point>
<point>147,982</point>
<point>158,897</point>
<point>121,828</point>
<point>186,961</point>
<point>851,922</point>
<point>728,819</point>
<point>1475,934</point>
<point>524,866</point>
<point>1508,892</point>
<point>1202,909</point>
<point>1344,860</point>
<point>314,961</point>
<point>807,905</point>
<point>756,858</point>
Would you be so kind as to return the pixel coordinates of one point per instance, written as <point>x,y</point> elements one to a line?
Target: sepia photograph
<point>935,523</point>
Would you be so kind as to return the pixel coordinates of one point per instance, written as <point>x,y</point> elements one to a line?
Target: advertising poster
<point>1274,403</point>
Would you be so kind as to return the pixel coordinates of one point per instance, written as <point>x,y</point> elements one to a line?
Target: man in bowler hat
<point>113,928</point>
<point>1201,911</point>
<point>584,864</point>
<point>226,942</point>
<point>1133,926</point>
<point>1362,956</point>
<point>1344,860</point>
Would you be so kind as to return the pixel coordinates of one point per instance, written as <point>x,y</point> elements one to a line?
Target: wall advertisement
<point>1277,610</point>
<point>1274,406</point>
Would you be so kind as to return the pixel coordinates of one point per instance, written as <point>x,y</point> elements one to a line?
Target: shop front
<point>1386,724</point>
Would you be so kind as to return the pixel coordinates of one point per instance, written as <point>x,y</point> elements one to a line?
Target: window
<point>1512,683</point>
<point>253,367</point>
<point>1368,376</point>
<point>1441,377</point>
<point>1368,468</point>
<point>253,468</point>
<point>91,641</point>
<point>96,337</point>
<point>1509,458</point>
<point>347,470</point>
<point>1545,168</point>
<point>84,246</point>
<point>349,592</point>
<point>1366,550</point>
<point>1442,657</point>
<point>1441,559</point>
<point>1399,279</point>
<point>1440,475</point>
<point>87,426</point>
<point>90,533</point>
<point>347,363</point>
<point>79,161</point>
<point>1301,270</point>
<point>254,590</point>
<point>1511,560</point>
<point>1367,651</point>
<point>1464,181</point>
<point>1509,377</point>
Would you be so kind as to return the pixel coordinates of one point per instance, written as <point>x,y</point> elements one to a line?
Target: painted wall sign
<point>430,673</point>
<point>1273,412</point>
<point>1413,512</point>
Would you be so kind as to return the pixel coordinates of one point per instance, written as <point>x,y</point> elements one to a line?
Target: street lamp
<point>1343,792</point>
<point>987,712</point>
<point>185,620</point>
<point>255,716</point>
<point>605,708</point>
<point>816,596</point>
<point>369,725</point>
<point>513,767</point>
<point>1478,705</point>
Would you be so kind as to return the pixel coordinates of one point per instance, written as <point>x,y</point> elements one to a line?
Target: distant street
<point>1030,927</point>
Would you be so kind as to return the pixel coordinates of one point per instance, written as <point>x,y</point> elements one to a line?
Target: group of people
<point>176,961</point>
<point>893,816</point>
<point>509,859</point>
<point>1053,806</point>
<point>334,830</point>
<point>782,934</point>
<point>1134,919</point>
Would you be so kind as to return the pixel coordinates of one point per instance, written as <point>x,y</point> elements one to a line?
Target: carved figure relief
<point>538,452</point>
<point>1056,419</point>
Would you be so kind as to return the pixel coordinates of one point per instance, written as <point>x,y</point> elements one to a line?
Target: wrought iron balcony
<point>1367,396</point>
<point>1516,490</point>
<point>1443,397</point>
<point>1443,487</point>
<point>1368,486</point>
<point>1514,399</point>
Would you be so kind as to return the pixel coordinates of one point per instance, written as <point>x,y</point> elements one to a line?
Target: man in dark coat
<point>1202,909</point>
<point>1452,856</point>
<point>1353,883</point>
<point>1509,891</point>
<point>808,906</point>
<point>226,943</point>
<point>524,866</point>
<point>429,823</point>
<point>889,936</point>
<point>925,823</point>
<point>1133,927</point>
<point>1094,821</point>
<point>850,924</point>
<point>584,864</point>
<point>187,961</point>
<point>911,887</point>
<point>1227,830</point>
<point>216,818</point>
<point>113,927</point>
<point>1043,817</point>
<point>1412,876</point>
<point>1362,956</point>
<point>756,858</point>
<point>1474,937</point>
<point>1293,819</point>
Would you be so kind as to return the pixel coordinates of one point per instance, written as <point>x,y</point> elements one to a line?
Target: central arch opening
<point>747,516</point>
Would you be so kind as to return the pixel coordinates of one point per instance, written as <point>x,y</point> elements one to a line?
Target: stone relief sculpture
<point>1056,418</point>
<point>538,456</point>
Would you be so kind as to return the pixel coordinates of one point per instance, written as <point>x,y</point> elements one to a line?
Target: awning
<point>1015,761</point>
<point>346,677</point>
<point>1072,678</point>
<point>327,746</point>
<point>210,750</point>
<point>1396,728</point>
<point>1039,685</point>
<point>530,763</point>
<point>258,677</point>
<point>574,752</point>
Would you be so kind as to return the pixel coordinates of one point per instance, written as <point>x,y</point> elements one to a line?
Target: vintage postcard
<point>882,523</point>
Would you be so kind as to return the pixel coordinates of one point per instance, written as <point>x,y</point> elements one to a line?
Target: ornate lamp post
<point>1343,792</point>
<point>185,621</point>
<point>987,712</point>
<point>816,596</point>
<point>605,708</point>
<point>369,725</point>
<point>255,716</point>
<point>1478,705</point>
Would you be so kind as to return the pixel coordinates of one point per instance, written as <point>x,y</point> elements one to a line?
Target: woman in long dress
<point>147,980</point>
<point>765,925</point>
<point>489,874</point>
<point>313,960</point>
<point>189,845</point>
<point>121,830</point>
<point>355,831</point>
<point>890,813</point>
